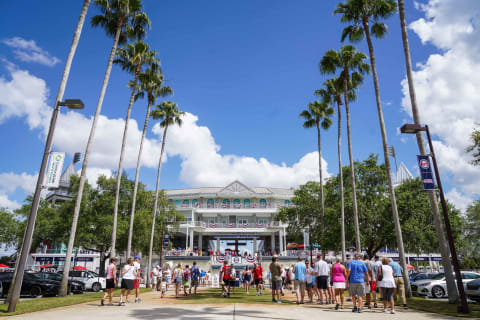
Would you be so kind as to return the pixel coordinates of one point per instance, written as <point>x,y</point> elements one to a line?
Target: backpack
<point>186,275</point>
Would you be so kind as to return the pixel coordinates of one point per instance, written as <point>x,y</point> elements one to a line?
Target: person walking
<point>373,287</point>
<point>356,275</point>
<point>321,277</point>
<point>111,281</point>
<point>386,281</point>
<point>309,276</point>
<point>195,277</point>
<point>276,278</point>
<point>247,278</point>
<point>233,277</point>
<point>136,283</point>
<point>225,277</point>
<point>129,274</point>
<point>339,275</point>
<point>155,275</point>
<point>370,267</point>
<point>399,283</point>
<point>167,273</point>
<point>299,269</point>
<point>258,277</point>
<point>178,278</point>
<point>186,279</point>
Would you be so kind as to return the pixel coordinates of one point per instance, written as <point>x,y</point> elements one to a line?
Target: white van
<point>91,279</point>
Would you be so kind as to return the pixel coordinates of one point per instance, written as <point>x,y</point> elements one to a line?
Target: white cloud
<point>10,182</point>
<point>202,163</point>
<point>458,199</point>
<point>446,86</point>
<point>28,51</point>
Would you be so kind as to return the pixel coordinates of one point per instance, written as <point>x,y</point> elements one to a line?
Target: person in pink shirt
<point>111,281</point>
<point>338,275</point>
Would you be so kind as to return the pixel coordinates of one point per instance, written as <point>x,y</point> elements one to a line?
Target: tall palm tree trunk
<point>322,201</point>
<point>135,187</point>
<point>78,202</point>
<point>155,205</point>
<point>120,163</point>
<point>340,175</point>
<point>443,244</point>
<point>352,166</point>
<point>396,219</point>
<point>60,93</point>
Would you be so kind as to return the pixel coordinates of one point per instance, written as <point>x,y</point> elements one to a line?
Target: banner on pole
<point>426,172</point>
<point>166,240</point>
<point>54,170</point>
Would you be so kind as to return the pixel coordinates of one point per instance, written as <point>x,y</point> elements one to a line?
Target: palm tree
<point>442,242</point>
<point>131,58</point>
<point>330,95</point>
<point>349,60</point>
<point>318,115</point>
<point>359,13</point>
<point>150,84</point>
<point>168,114</point>
<point>18,274</point>
<point>121,19</point>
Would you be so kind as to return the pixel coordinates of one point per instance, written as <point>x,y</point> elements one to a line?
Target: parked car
<point>436,287</point>
<point>91,279</point>
<point>74,286</point>
<point>32,285</point>
<point>473,290</point>
<point>422,276</point>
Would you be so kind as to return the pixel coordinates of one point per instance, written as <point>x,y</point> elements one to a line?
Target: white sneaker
<point>392,312</point>
<point>384,310</point>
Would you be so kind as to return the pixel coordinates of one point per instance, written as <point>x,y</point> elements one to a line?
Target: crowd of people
<point>131,275</point>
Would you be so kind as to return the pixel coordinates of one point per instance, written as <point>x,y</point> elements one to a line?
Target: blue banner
<point>166,240</point>
<point>426,172</point>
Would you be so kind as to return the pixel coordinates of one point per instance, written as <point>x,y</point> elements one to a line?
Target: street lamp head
<point>411,128</point>
<point>72,104</point>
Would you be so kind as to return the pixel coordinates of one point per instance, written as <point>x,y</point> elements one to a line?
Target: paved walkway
<point>152,307</point>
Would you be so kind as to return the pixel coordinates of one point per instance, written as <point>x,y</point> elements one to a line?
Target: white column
<point>200,242</point>
<point>280,239</point>
<point>218,245</point>
<point>186,238</point>
<point>273,242</point>
<point>191,239</point>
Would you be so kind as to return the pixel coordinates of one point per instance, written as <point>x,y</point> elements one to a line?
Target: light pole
<point>414,128</point>
<point>27,238</point>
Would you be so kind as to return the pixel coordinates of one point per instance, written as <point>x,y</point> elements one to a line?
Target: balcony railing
<point>233,225</point>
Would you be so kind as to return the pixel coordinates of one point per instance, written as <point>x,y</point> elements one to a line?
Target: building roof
<point>403,174</point>
<point>236,188</point>
<point>65,178</point>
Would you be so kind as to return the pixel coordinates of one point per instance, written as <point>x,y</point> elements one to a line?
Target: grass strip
<point>214,296</point>
<point>442,307</point>
<point>39,304</point>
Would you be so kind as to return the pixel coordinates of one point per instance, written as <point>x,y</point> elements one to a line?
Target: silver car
<point>436,287</point>
<point>473,290</point>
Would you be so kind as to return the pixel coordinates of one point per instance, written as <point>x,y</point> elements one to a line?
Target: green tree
<point>360,13</point>
<point>318,115</point>
<point>9,226</point>
<point>475,147</point>
<point>168,114</point>
<point>120,19</point>
<point>131,58</point>
<point>151,84</point>
<point>349,61</point>
<point>471,247</point>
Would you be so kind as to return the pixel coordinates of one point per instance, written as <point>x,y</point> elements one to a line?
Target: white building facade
<point>236,218</point>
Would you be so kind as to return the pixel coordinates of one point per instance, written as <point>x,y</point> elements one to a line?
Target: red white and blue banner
<point>236,259</point>
<point>245,225</point>
<point>212,225</point>
<point>426,172</point>
<point>260,225</point>
<point>221,259</point>
<point>251,259</point>
<point>230,225</point>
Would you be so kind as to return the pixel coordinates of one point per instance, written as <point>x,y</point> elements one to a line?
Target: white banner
<point>54,170</point>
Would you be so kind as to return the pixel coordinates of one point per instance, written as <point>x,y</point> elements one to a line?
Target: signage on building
<point>426,172</point>
<point>166,240</point>
<point>54,170</point>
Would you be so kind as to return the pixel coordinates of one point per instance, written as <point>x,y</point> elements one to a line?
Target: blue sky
<point>244,70</point>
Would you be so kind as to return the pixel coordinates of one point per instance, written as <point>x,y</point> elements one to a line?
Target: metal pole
<point>463,308</point>
<point>27,241</point>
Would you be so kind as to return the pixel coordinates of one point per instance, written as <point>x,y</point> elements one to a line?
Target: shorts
<point>299,285</point>
<point>110,284</point>
<point>178,280</point>
<point>169,280</point>
<point>154,280</point>
<point>277,285</point>
<point>194,283</point>
<point>357,289</point>
<point>127,284</point>
<point>136,283</point>
<point>247,279</point>
<point>186,283</point>
<point>339,285</point>
<point>259,281</point>
<point>367,288</point>
<point>387,294</point>
<point>373,286</point>
<point>309,285</point>
<point>322,282</point>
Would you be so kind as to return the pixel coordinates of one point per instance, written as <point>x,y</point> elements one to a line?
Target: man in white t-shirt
<point>155,277</point>
<point>321,279</point>
<point>136,283</point>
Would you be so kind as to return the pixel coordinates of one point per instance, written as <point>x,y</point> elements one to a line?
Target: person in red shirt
<point>225,276</point>
<point>258,277</point>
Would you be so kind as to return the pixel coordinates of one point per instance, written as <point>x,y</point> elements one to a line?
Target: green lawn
<point>33,305</point>
<point>442,307</point>
<point>214,296</point>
